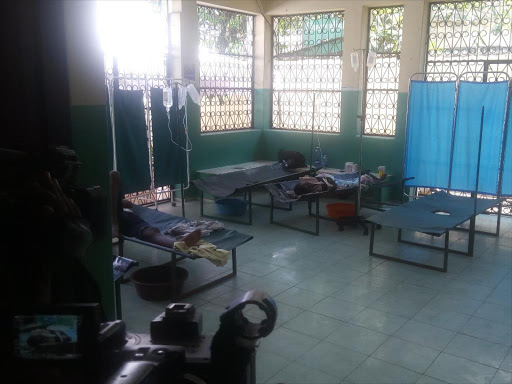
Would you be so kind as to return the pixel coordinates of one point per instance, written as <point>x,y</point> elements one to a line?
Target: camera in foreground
<point>68,344</point>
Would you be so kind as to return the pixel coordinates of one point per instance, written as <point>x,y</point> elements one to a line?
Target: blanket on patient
<point>184,228</point>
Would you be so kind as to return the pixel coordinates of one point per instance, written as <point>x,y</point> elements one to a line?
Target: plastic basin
<point>337,210</point>
<point>154,283</point>
<point>231,207</point>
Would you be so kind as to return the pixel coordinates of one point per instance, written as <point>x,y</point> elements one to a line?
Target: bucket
<point>155,283</point>
<point>231,207</point>
<point>337,210</point>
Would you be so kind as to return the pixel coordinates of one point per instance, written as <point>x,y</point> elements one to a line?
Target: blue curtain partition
<point>429,133</point>
<point>472,97</point>
<point>506,185</point>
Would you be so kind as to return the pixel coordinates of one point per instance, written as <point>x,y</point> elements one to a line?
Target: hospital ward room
<point>274,191</point>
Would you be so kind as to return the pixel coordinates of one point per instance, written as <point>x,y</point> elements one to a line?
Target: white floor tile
<point>481,351</point>
<point>457,370</point>
<point>380,372</point>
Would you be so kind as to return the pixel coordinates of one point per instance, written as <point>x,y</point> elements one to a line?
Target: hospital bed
<point>436,215</point>
<point>227,239</point>
<point>244,181</point>
<point>346,185</point>
<point>447,123</point>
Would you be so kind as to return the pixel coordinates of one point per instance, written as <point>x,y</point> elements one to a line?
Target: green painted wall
<point>89,137</point>
<point>212,150</point>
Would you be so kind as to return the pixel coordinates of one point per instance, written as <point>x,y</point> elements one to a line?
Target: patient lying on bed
<point>131,225</point>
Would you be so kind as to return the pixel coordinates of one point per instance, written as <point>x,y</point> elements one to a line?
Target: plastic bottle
<point>324,161</point>
<point>317,161</point>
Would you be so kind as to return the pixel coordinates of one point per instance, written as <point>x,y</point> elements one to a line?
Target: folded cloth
<point>181,230</point>
<point>219,257</point>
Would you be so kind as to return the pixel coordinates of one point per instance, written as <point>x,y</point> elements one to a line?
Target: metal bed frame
<point>470,230</point>
<point>310,199</point>
<point>315,198</point>
<point>247,191</point>
<point>177,256</point>
<point>472,221</point>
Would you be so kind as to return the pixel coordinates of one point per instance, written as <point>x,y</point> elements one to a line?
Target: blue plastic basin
<point>231,207</point>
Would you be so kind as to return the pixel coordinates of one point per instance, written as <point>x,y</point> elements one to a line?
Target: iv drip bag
<point>182,96</point>
<point>354,61</point>
<point>167,97</point>
<point>194,95</point>
<point>371,60</point>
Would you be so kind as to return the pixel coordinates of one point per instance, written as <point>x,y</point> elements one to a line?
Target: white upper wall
<point>85,57</point>
<point>250,6</point>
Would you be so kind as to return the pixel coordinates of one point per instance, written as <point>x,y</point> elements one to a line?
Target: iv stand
<point>312,132</point>
<point>179,151</point>
<point>358,218</point>
<point>362,119</point>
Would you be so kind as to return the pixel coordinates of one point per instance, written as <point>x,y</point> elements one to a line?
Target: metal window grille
<point>226,69</point>
<point>471,38</point>
<point>307,62</point>
<point>381,89</point>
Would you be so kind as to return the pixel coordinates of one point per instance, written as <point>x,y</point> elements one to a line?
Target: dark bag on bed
<point>292,158</point>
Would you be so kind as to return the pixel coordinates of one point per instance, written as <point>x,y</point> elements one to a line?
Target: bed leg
<point>250,206</point>
<point>271,209</point>
<point>446,250</point>
<point>309,207</point>
<point>372,237</point>
<point>173,277</point>
<point>498,222</point>
<point>119,310</point>
<point>201,207</point>
<point>120,247</point>
<point>233,257</point>
<point>471,240</point>
<point>317,216</point>
<point>400,235</point>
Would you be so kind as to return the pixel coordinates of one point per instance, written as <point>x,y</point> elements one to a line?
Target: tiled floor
<point>345,317</point>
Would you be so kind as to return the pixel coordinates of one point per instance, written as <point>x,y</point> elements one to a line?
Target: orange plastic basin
<point>337,210</point>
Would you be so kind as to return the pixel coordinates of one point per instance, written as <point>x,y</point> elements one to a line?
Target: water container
<point>324,161</point>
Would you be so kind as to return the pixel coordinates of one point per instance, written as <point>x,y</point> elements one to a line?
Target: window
<point>226,69</point>
<point>307,67</point>
<point>385,39</point>
<point>470,37</point>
